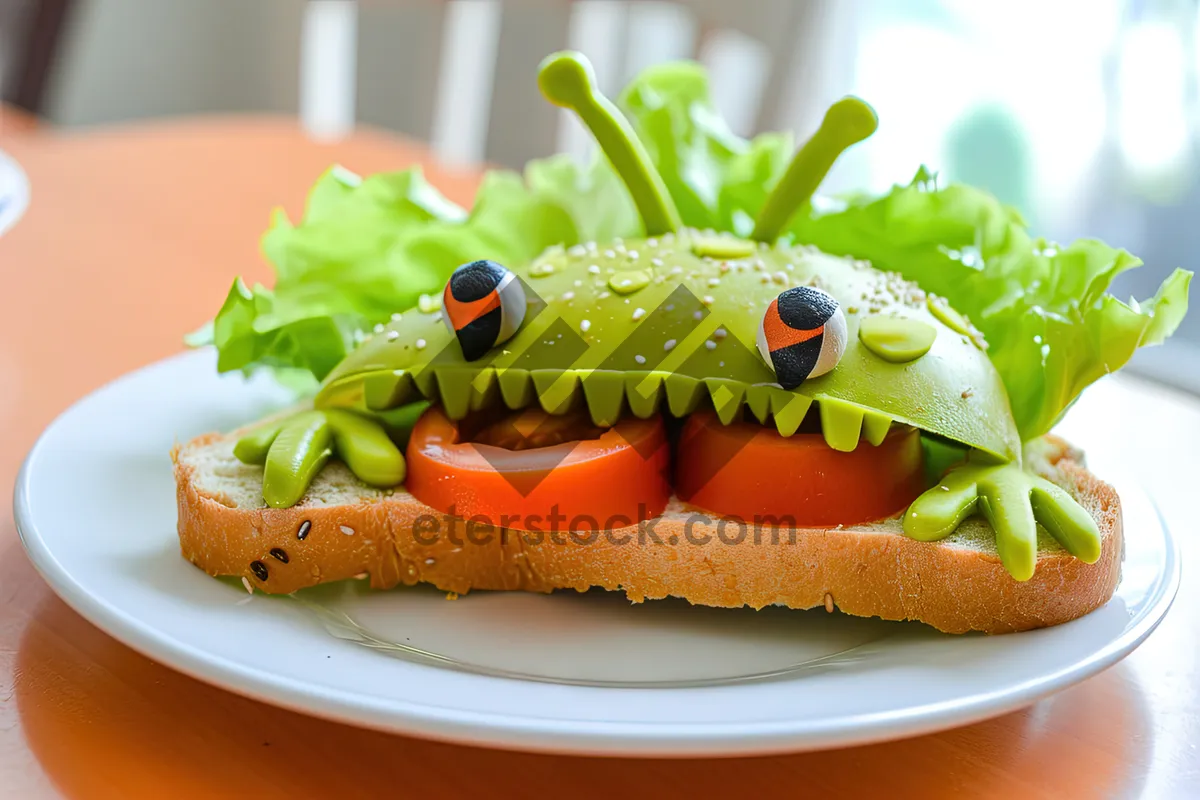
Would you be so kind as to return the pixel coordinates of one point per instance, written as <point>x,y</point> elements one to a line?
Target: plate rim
<point>20,196</point>
<point>643,738</point>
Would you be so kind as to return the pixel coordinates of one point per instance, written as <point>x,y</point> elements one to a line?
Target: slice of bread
<point>343,529</point>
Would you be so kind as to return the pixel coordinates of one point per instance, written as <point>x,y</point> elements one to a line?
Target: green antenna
<point>566,79</point>
<point>847,122</point>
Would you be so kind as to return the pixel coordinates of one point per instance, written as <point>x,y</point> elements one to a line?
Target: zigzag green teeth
<point>841,424</point>
<point>608,394</point>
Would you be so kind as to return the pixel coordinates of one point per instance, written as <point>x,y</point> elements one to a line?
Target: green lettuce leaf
<point>365,249</point>
<point>1051,326</point>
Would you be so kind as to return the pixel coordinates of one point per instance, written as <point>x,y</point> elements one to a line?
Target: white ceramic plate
<point>95,506</point>
<point>14,192</point>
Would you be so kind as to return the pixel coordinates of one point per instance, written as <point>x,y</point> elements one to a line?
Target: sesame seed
<point>430,561</point>
<point>393,335</point>
<point>603,295</point>
<point>396,317</point>
<point>633,254</point>
<point>578,283</point>
<point>779,277</point>
<point>658,262</point>
<point>697,315</point>
<point>676,270</point>
<point>362,576</point>
<point>652,242</point>
<point>346,529</point>
<point>585,325</point>
<point>640,359</point>
<point>714,281</point>
<point>669,344</point>
<point>379,328</point>
<point>707,300</point>
<point>610,254</point>
<point>568,295</point>
<point>720,333</point>
<point>594,269</point>
<point>638,313</point>
<point>246,583</point>
<point>829,602</point>
<point>420,344</point>
<point>710,344</point>
<point>577,250</point>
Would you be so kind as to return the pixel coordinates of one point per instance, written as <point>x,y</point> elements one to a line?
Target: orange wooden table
<point>131,239</point>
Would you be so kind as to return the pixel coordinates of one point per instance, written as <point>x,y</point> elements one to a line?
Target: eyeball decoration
<point>802,335</point>
<point>484,305</point>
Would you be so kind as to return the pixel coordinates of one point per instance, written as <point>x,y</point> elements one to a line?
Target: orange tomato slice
<point>534,471</point>
<point>751,472</point>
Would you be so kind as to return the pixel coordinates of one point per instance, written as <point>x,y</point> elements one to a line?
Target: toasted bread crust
<point>863,571</point>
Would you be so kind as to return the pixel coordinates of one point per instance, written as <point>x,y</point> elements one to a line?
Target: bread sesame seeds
<point>393,335</point>
<point>584,325</point>
<point>346,529</point>
<point>246,583</point>
<point>420,344</point>
<point>829,602</point>
<point>638,313</point>
<point>669,344</point>
<point>640,359</point>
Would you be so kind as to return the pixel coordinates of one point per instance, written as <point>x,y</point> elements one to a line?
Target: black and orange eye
<point>802,335</point>
<point>484,305</point>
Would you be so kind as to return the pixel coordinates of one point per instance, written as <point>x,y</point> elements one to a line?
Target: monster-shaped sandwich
<point>731,419</point>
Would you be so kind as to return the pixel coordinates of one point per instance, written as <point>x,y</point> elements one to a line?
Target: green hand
<point>1013,501</point>
<point>294,450</point>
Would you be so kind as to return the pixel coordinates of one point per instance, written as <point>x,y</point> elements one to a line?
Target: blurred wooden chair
<point>31,32</point>
<point>464,69</point>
